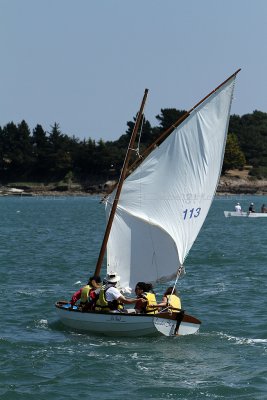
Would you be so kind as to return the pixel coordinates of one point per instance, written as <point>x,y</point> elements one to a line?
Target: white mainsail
<point>165,201</point>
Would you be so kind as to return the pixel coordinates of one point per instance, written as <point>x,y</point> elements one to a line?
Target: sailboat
<point>246,214</point>
<point>156,212</point>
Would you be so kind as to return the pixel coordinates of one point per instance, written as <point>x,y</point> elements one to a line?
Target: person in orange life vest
<point>146,298</point>
<point>170,298</point>
<point>84,292</point>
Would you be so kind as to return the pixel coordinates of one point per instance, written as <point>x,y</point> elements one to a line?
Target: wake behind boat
<point>156,213</point>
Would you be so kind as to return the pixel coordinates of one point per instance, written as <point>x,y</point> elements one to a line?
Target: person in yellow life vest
<point>144,291</point>
<point>87,292</point>
<point>110,298</point>
<point>93,284</point>
<point>170,298</point>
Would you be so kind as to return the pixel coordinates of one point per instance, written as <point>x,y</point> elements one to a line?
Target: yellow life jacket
<point>85,293</point>
<point>151,299</point>
<point>174,301</point>
<point>103,305</point>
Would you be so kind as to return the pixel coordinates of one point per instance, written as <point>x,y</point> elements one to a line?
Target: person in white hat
<point>110,298</point>
<point>238,207</point>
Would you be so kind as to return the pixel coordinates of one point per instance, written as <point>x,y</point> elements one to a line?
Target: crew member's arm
<point>126,300</point>
<point>76,297</point>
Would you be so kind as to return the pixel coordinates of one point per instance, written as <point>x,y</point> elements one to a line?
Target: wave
<point>242,340</point>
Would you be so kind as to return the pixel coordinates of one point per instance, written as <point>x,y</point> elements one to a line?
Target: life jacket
<point>85,293</point>
<point>151,299</point>
<point>105,306</point>
<point>173,301</point>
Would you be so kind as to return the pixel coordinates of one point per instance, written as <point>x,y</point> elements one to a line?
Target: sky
<point>85,64</point>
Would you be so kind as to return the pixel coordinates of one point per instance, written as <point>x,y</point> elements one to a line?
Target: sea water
<point>48,249</point>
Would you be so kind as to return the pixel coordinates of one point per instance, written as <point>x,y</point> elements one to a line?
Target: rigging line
<point>137,149</point>
<point>119,188</point>
<point>140,135</point>
<point>179,271</point>
<point>154,258</point>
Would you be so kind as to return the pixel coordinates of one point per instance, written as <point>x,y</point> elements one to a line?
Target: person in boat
<point>170,299</point>
<point>238,208</point>
<point>263,209</point>
<point>110,298</point>
<point>146,298</point>
<point>251,208</point>
<point>88,293</point>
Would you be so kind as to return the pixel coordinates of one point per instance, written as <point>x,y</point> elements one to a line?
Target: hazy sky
<point>86,63</point>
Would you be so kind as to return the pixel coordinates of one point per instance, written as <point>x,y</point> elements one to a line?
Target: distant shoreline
<point>241,186</point>
<point>53,193</point>
<point>229,185</point>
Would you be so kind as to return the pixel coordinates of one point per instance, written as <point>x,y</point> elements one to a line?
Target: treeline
<point>37,155</point>
<point>250,133</point>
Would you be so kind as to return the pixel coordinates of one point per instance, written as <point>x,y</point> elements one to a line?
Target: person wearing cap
<point>251,208</point>
<point>110,298</point>
<point>87,293</point>
<point>238,207</point>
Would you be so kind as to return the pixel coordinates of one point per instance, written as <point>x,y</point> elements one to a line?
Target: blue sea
<point>49,247</point>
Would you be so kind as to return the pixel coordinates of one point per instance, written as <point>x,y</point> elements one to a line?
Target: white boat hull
<point>244,214</point>
<point>119,324</point>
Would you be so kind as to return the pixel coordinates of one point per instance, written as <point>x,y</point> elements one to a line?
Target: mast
<point>119,187</point>
<point>174,126</point>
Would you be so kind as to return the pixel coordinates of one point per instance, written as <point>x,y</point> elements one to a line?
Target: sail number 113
<point>193,213</point>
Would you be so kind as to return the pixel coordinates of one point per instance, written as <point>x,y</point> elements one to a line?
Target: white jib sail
<point>165,201</point>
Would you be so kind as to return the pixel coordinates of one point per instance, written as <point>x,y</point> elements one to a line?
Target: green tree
<point>144,132</point>
<point>168,117</point>
<point>234,157</point>
<point>60,155</point>
<point>84,159</point>
<point>251,130</point>
<point>40,151</point>
<point>2,162</point>
<point>17,157</point>
<point>54,155</point>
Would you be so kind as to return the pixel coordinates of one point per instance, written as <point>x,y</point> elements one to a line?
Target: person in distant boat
<point>110,298</point>
<point>170,298</point>
<point>251,208</point>
<point>263,209</point>
<point>146,298</point>
<point>87,293</point>
<point>238,208</point>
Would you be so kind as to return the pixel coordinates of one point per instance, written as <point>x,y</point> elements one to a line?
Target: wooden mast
<point>119,187</point>
<point>174,126</point>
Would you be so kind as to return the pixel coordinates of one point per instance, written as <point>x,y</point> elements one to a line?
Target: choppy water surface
<point>47,245</point>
